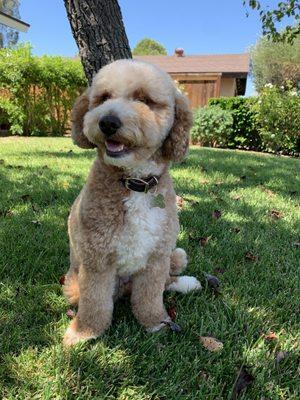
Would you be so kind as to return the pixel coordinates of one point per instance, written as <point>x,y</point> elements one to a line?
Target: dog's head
<point>132,111</point>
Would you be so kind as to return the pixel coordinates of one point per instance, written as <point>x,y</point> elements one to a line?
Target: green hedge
<point>212,127</point>
<point>245,132</point>
<point>278,118</point>
<point>37,93</point>
<point>269,122</point>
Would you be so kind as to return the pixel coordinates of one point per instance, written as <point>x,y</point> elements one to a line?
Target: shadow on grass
<point>256,296</point>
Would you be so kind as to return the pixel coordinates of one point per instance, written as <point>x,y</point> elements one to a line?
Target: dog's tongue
<point>114,146</point>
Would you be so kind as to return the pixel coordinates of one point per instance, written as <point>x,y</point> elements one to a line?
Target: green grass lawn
<point>39,180</point>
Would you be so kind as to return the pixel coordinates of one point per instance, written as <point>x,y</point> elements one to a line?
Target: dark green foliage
<point>37,93</point>
<point>278,118</point>
<point>212,127</point>
<point>149,47</point>
<point>244,132</point>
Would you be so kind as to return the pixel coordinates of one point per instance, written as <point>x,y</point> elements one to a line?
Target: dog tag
<point>158,200</point>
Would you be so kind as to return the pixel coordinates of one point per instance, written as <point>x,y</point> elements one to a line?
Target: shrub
<point>212,126</point>
<point>278,118</point>
<point>244,129</point>
<point>37,93</point>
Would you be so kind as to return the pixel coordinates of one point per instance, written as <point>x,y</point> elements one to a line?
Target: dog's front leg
<point>147,294</point>
<point>95,305</point>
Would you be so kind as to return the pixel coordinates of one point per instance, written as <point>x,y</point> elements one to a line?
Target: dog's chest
<point>143,229</point>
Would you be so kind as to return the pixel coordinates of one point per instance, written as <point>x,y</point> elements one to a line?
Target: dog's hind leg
<point>71,286</point>
<point>182,284</point>
<point>178,261</point>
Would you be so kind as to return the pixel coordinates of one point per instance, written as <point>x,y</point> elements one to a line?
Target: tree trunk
<point>99,32</point>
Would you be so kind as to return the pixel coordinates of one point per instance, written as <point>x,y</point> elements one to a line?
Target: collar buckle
<point>143,184</point>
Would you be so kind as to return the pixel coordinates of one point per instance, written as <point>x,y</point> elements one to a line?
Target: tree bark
<point>99,32</point>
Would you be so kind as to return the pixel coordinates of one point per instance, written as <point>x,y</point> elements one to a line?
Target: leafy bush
<point>11,116</point>
<point>37,93</point>
<point>244,129</point>
<point>275,63</point>
<point>212,126</point>
<point>278,118</point>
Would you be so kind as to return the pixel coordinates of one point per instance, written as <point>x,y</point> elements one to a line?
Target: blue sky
<point>199,26</point>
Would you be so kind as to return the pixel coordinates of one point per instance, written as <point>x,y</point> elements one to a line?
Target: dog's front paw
<point>74,336</point>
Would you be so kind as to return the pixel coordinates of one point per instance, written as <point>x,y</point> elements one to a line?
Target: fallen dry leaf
<point>237,197</point>
<point>271,336</point>
<point>219,270</point>
<point>203,375</point>
<point>172,313</point>
<point>35,207</point>
<point>62,279</point>
<point>179,202</point>
<point>70,313</point>
<point>268,192</point>
<point>203,181</point>
<point>250,256</point>
<point>211,344</point>
<point>275,214</point>
<point>244,379</point>
<point>216,214</point>
<point>203,241</point>
<point>280,356</point>
<point>25,197</point>
<point>6,213</point>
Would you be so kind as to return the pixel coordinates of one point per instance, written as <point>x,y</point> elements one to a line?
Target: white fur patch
<point>185,284</point>
<point>141,233</point>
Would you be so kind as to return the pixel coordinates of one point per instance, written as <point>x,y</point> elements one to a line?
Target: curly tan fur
<point>176,144</point>
<point>122,241</point>
<point>80,108</point>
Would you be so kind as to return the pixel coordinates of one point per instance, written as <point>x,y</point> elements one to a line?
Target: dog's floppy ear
<point>177,142</point>
<point>81,106</point>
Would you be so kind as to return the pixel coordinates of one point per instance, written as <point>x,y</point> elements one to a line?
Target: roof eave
<point>13,23</point>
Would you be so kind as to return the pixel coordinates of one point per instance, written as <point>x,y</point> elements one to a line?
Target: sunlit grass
<point>40,178</point>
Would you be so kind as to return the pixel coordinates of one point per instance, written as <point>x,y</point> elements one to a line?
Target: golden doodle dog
<point>123,225</point>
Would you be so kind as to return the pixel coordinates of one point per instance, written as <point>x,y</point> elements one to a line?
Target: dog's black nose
<point>109,124</point>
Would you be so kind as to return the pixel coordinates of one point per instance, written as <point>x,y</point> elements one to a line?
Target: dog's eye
<point>146,100</point>
<point>105,96</point>
<point>97,100</point>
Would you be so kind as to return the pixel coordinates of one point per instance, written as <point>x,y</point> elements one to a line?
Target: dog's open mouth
<point>115,149</point>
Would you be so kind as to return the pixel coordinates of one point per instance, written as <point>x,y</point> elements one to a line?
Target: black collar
<point>140,185</point>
